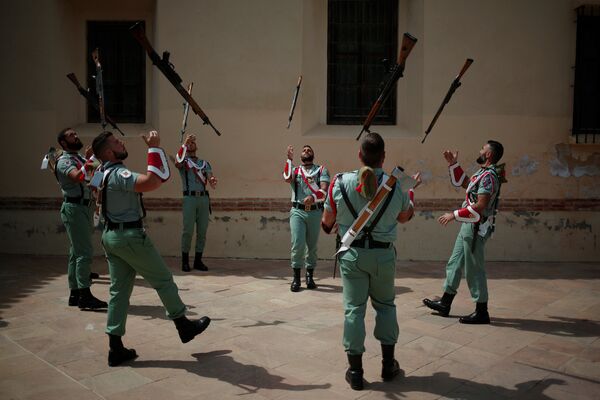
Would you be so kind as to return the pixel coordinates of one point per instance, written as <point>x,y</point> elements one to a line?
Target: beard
<point>121,156</point>
<point>481,160</point>
<point>307,159</point>
<point>75,146</point>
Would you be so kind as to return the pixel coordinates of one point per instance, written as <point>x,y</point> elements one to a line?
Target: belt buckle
<point>306,207</point>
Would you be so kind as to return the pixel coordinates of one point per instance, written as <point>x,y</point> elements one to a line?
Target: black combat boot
<point>310,283</point>
<point>185,262</point>
<point>390,367</point>
<point>74,297</point>
<point>442,305</point>
<point>198,264</point>
<point>118,354</point>
<point>354,374</point>
<point>87,300</point>
<point>295,287</point>
<point>480,316</point>
<point>190,329</point>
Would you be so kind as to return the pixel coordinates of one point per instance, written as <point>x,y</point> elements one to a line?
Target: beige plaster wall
<point>244,58</point>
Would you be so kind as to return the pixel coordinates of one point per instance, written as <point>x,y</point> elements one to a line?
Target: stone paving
<point>268,343</point>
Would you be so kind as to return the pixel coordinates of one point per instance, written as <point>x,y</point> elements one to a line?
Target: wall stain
<point>566,164</point>
<point>565,223</point>
<point>427,215</point>
<point>525,166</point>
<point>264,221</point>
<point>158,220</point>
<point>224,219</point>
<point>530,217</point>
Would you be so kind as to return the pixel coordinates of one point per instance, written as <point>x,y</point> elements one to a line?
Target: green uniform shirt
<point>123,204</point>
<point>314,173</point>
<point>66,163</point>
<point>484,181</point>
<point>189,180</point>
<point>385,231</point>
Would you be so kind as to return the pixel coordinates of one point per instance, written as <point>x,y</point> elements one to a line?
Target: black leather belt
<point>195,193</point>
<point>312,207</point>
<point>77,200</point>
<point>370,244</point>
<point>113,226</point>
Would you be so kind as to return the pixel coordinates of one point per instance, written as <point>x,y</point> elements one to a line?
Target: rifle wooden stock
<point>453,86</point>
<point>92,100</point>
<point>168,71</point>
<point>408,42</point>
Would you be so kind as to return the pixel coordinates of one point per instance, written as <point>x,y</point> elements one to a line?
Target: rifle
<point>99,86</point>
<point>453,86</point>
<point>338,243</point>
<point>92,100</point>
<point>294,99</point>
<point>168,70</point>
<point>408,42</point>
<point>186,110</point>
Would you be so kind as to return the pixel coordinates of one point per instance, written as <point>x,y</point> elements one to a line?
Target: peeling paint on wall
<point>525,166</point>
<point>566,164</point>
<point>264,221</point>
<point>427,215</point>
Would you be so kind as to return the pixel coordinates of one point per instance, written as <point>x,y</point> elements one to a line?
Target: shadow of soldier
<point>327,288</point>
<point>559,326</point>
<point>218,365</point>
<point>442,384</point>
<point>153,312</point>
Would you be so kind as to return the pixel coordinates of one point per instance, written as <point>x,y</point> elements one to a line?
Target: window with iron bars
<point>586,98</point>
<point>123,71</point>
<point>362,43</point>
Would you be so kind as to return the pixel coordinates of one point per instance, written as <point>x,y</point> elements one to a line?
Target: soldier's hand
<point>152,139</point>
<point>417,178</point>
<point>89,152</point>
<point>290,152</point>
<point>213,182</point>
<point>451,157</point>
<point>308,201</point>
<point>446,218</point>
<point>189,139</point>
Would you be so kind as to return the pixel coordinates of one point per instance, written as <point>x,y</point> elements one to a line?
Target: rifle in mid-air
<point>92,100</point>
<point>453,86</point>
<point>99,86</point>
<point>186,110</point>
<point>294,100</point>
<point>168,71</point>
<point>408,42</point>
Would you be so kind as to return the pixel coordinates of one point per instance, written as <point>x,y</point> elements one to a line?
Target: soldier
<point>128,248</point>
<point>76,213</point>
<point>368,266</point>
<point>476,215</point>
<point>309,187</point>
<point>195,174</point>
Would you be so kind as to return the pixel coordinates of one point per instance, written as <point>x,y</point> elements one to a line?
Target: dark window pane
<point>586,106</point>
<point>361,34</point>
<point>123,71</point>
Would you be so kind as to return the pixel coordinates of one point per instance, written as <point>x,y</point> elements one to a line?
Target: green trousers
<point>77,219</point>
<point>368,273</point>
<point>472,261</point>
<point>195,212</point>
<point>129,252</point>
<point>304,228</point>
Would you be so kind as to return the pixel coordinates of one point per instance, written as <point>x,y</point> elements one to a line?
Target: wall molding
<point>283,204</point>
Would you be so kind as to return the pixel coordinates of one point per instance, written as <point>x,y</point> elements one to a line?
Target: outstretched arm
<point>158,168</point>
<point>471,213</point>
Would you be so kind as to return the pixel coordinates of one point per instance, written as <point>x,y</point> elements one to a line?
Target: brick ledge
<point>283,204</point>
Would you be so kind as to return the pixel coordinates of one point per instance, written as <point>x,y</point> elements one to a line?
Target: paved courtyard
<point>268,343</point>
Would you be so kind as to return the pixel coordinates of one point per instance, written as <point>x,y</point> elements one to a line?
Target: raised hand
<point>451,157</point>
<point>89,152</point>
<point>290,152</point>
<point>189,139</point>
<point>417,178</point>
<point>212,182</point>
<point>152,139</point>
<point>446,218</point>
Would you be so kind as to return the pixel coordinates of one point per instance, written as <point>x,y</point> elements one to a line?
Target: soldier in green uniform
<point>76,213</point>
<point>195,175</point>
<point>128,248</point>
<point>477,218</point>
<point>309,184</point>
<point>368,266</point>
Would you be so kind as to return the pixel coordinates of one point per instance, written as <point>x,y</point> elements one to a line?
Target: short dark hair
<point>61,135</point>
<point>497,150</point>
<point>307,145</point>
<point>372,149</point>
<point>99,143</point>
